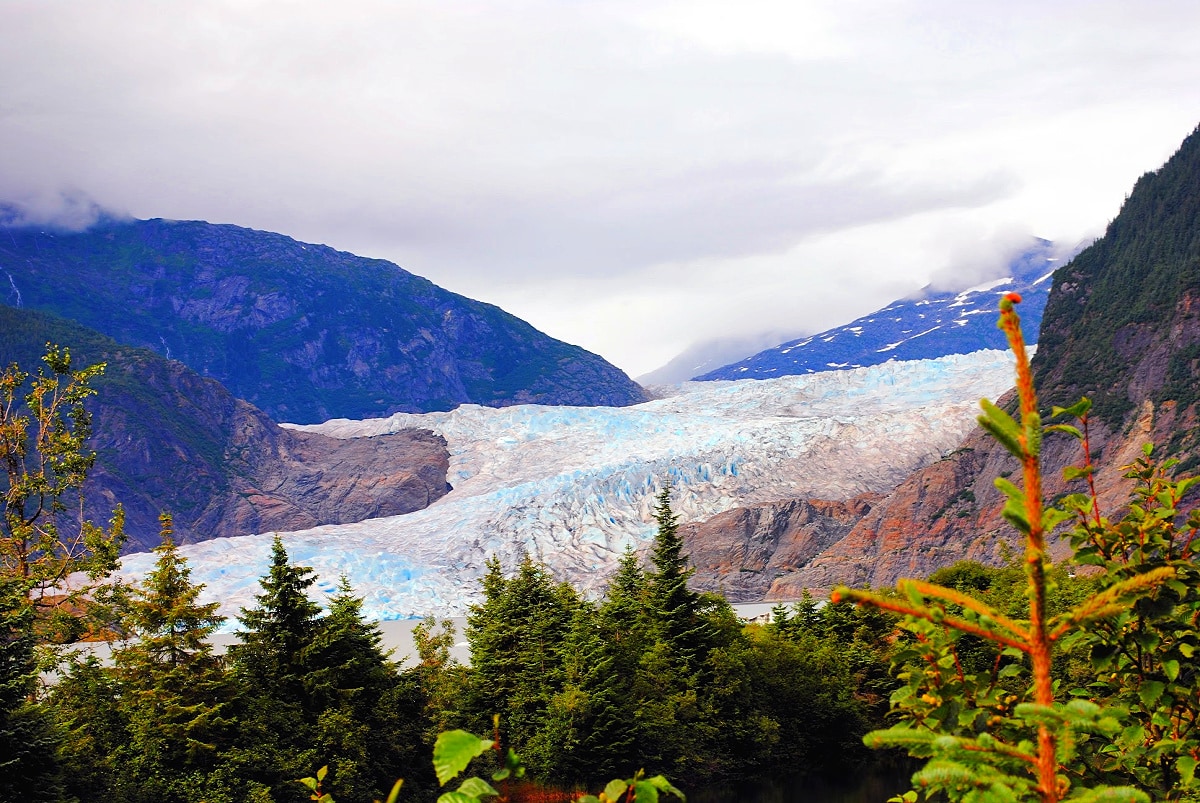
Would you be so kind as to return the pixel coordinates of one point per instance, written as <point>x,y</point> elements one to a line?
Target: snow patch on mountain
<point>924,326</point>
<point>575,486</point>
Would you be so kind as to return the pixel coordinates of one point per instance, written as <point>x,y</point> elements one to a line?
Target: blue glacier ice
<point>575,486</point>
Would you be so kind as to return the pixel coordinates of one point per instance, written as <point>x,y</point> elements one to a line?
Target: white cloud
<point>630,176</point>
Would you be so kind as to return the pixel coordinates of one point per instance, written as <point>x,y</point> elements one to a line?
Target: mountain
<point>1122,322</point>
<point>169,439</point>
<point>928,325</point>
<point>302,331</point>
<point>574,486</point>
<point>1122,326</point>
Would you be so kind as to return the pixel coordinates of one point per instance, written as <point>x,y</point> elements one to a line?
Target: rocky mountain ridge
<point>169,439</point>
<point>302,331</point>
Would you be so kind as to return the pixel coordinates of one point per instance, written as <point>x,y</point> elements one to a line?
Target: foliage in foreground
<point>455,750</point>
<point>1014,684</point>
<point>1008,732</point>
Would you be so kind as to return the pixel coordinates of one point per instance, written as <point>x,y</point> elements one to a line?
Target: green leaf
<point>1067,428</point>
<point>1171,667</point>
<point>1076,410</point>
<point>454,750</point>
<point>1053,516</point>
<point>456,797</point>
<point>1001,427</point>
<point>395,793</point>
<point>663,785</point>
<point>477,787</point>
<point>1180,588</point>
<point>1008,489</point>
<point>615,789</point>
<point>1186,766</point>
<point>645,792</point>
<point>1184,485</point>
<point>1150,692</point>
<point>1014,514</point>
<point>1078,472</point>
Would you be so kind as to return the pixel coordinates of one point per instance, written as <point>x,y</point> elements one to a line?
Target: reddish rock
<point>742,551</point>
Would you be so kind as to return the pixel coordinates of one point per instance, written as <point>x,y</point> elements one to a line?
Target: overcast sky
<point>631,176</point>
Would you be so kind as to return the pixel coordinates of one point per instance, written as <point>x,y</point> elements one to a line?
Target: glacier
<point>573,487</point>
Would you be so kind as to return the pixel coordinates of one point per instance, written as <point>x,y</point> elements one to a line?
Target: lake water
<point>871,786</point>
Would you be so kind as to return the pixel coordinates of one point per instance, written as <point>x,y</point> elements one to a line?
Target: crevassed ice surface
<point>574,486</point>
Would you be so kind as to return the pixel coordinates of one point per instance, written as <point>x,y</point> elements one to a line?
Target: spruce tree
<point>277,728</point>
<point>365,723</point>
<point>175,693</point>
<point>86,702</point>
<point>276,633</point>
<point>623,612</point>
<point>675,608</point>
<point>589,731</point>
<point>517,635</point>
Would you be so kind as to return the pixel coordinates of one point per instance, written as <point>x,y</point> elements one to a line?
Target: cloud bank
<point>631,177</point>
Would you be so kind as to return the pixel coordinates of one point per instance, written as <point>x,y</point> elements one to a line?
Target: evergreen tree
<point>276,633</point>
<point>623,613</point>
<point>365,722</point>
<point>175,693</point>
<point>277,720</point>
<point>29,767</point>
<point>517,639</point>
<point>347,663</point>
<point>589,729</point>
<point>675,608</point>
<point>86,701</point>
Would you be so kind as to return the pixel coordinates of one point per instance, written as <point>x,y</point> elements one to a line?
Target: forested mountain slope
<point>168,439</point>
<point>304,332</point>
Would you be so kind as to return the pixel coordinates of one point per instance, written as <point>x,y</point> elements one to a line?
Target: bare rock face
<point>311,480</point>
<point>945,512</point>
<point>743,551</point>
<point>223,468</point>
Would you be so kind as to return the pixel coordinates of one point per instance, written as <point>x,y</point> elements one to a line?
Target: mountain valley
<point>830,475</point>
<point>573,487</point>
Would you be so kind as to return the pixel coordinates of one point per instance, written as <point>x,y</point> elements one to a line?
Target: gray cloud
<point>692,152</point>
<point>69,210</point>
